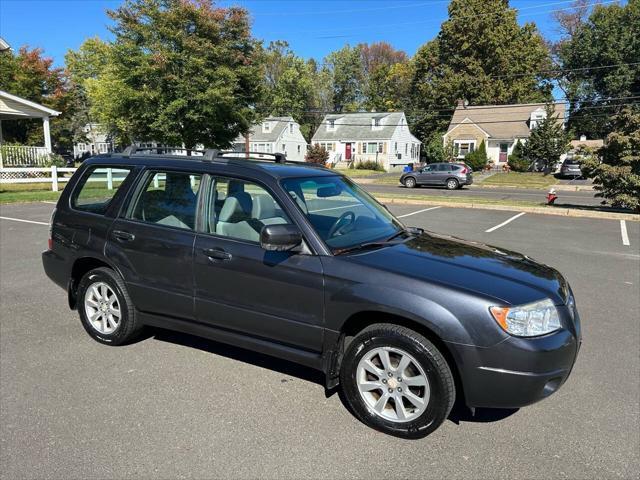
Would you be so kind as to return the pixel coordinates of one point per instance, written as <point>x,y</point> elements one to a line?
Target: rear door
<point>152,242</point>
<point>442,174</point>
<point>243,288</point>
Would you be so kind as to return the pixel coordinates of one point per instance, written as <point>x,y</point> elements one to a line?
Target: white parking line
<point>24,221</point>
<point>504,223</point>
<point>623,232</point>
<point>419,211</point>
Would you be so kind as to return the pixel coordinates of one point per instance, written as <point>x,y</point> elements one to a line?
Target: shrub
<point>54,159</point>
<point>516,160</point>
<point>478,158</point>
<point>370,165</point>
<point>617,177</point>
<point>317,154</point>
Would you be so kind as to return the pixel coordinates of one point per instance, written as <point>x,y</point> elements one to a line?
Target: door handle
<point>123,236</point>
<point>217,254</point>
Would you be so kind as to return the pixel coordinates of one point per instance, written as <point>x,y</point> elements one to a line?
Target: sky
<point>312,28</point>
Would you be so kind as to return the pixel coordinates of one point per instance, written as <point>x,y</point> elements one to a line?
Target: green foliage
<point>347,75</point>
<point>370,165</point>
<point>27,73</point>
<point>433,150</point>
<point>178,72</point>
<point>516,161</point>
<point>289,84</point>
<point>609,36</point>
<point>317,154</point>
<point>548,140</point>
<point>53,159</point>
<point>478,158</point>
<point>480,55</point>
<point>617,177</point>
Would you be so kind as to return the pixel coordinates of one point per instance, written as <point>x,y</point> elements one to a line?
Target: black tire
<point>441,382</point>
<point>452,184</point>
<point>410,182</point>
<point>129,327</point>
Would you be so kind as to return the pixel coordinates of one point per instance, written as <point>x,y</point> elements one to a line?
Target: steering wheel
<point>338,224</point>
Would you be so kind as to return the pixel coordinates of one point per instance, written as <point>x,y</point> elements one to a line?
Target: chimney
<point>583,138</point>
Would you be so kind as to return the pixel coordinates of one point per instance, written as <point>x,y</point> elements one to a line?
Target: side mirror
<point>280,238</point>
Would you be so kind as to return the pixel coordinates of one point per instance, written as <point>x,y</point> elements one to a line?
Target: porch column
<point>47,133</point>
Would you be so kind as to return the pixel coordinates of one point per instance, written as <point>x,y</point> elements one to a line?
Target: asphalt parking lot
<point>174,406</point>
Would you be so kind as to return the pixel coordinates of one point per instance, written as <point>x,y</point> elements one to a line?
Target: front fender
<point>357,298</point>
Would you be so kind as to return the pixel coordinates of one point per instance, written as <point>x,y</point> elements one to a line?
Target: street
<point>566,198</point>
<point>176,406</point>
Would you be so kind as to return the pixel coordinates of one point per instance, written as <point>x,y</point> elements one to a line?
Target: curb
<point>558,187</point>
<point>561,212</point>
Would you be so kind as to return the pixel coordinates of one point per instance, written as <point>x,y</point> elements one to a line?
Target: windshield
<point>343,214</point>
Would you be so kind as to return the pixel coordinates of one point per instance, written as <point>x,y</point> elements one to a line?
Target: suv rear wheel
<point>396,381</point>
<point>452,184</point>
<point>105,308</point>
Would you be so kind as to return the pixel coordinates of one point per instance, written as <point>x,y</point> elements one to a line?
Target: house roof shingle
<point>357,126</point>
<point>503,122</point>
<point>256,133</point>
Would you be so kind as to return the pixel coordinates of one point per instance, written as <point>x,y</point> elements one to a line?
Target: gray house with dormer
<point>274,135</point>
<point>383,137</point>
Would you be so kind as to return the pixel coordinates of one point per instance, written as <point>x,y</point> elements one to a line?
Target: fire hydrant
<point>551,196</point>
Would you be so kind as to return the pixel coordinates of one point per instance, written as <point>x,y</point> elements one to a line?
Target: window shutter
<point>384,147</point>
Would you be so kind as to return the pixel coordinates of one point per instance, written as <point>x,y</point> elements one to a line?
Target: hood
<point>510,277</point>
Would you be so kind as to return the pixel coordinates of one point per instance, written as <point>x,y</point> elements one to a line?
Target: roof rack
<point>209,154</point>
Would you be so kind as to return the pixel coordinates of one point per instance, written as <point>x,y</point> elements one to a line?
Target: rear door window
<point>97,189</point>
<point>168,198</point>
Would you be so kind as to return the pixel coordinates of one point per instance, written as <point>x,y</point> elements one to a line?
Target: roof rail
<point>209,154</point>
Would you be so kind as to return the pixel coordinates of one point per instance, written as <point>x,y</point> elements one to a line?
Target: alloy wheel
<point>102,308</point>
<point>393,384</point>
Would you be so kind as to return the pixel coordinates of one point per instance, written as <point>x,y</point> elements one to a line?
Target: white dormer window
<point>536,117</point>
<point>266,127</point>
<point>331,125</point>
<point>376,124</point>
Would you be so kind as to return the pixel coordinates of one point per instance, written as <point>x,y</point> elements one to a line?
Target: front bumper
<point>517,371</point>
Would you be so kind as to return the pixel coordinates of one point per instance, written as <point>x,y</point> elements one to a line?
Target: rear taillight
<point>464,170</point>
<point>50,240</point>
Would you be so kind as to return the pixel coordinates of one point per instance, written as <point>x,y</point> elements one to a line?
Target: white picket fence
<point>22,156</point>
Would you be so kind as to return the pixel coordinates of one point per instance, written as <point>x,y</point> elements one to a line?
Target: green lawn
<point>518,179</point>
<point>354,172</point>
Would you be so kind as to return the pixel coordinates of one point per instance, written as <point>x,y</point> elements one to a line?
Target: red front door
<point>347,151</point>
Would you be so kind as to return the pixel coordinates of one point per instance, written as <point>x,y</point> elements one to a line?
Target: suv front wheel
<point>105,308</point>
<point>396,381</point>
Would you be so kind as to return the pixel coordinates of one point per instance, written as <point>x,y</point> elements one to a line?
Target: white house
<point>96,141</point>
<point>500,126</point>
<point>383,137</point>
<point>274,135</point>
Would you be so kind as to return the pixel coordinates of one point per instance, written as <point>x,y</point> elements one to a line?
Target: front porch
<point>12,108</point>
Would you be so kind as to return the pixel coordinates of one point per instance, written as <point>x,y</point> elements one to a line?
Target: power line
<point>563,70</point>
<point>421,22</point>
<point>442,108</point>
<point>358,10</point>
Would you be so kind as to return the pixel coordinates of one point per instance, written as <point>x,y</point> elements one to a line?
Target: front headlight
<point>528,320</point>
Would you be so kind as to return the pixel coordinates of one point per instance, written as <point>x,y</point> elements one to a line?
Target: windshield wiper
<point>381,243</point>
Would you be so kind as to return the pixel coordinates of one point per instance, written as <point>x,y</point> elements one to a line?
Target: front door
<point>347,151</point>
<point>241,287</point>
<point>504,148</point>
<point>427,174</point>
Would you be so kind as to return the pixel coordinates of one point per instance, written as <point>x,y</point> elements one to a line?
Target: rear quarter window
<point>97,188</point>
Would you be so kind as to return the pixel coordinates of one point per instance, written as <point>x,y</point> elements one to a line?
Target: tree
<point>601,59</point>
<point>289,85</point>
<point>347,77</point>
<point>617,177</point>
<point>516,161</point>
<point>548,140</point>
<point>317,154</point>
<point>478,158</point>
<point>433,150</point>
<point>178,72</point>
<point>31,75</point>
<point>482,55</point>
